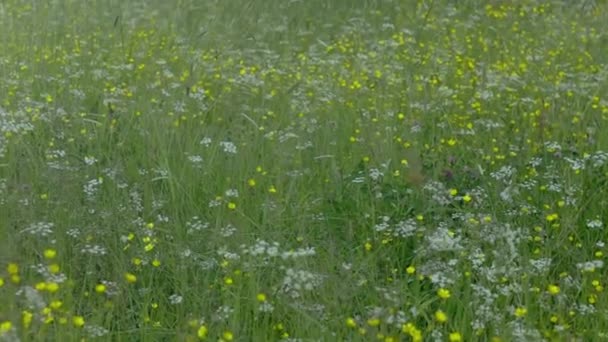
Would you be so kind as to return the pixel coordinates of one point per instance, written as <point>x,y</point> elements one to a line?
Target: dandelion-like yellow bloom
<point>100,288</point>
<point>130,278</point>
<point>373,322</point>
<point>78,321</point>
<point>26,318</point>
<point>50,253</point>
<point>5,327</point>
<point>520,312</point>
<point>440,316</point>
<point>12,268</point>
<point>202,332</point>
<point>415,333</point>
<point>228,336</point>
<point>444,293</point>
<point>351,323</point>
<point>455,337</point>
<point>553,289</point>
<point>52,287</point>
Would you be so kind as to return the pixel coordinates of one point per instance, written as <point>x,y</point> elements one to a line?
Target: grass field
<point>303,170</point>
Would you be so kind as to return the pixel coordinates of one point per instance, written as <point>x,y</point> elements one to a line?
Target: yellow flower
<point>553,289</point>
<point>520,312</point>
<point>552,217</point>
<point>455,337</point>
<point>410,270</point>
<point>444,293</point>
<point>202,332</point>
<point>373,322</point>
<point>231,205</point>
<point>415,333</point>
<point>5,327</point>
<point>467,198</point>
<point>130,277</point>
<point>54,268</point>
<point>440,316</point>
<point>100,288</point>
<point>56,304</point>
<point>12,269</point>
<point>228,336</point>
<point>50,253</point>
<point>52,287</point>
<point>78,321</point>
<point>261,297</point>
<point>26,318</point>
<point>351,323</point>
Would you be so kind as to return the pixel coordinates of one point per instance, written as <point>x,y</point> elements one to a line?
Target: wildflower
<point>56,304</point>
<point>455,337</point>
<point>202,332</point>
<point>78,321</point>
<point>50,253</point>
<point>592,299</point>
<point>231,205</point>
<point>440,316</point>
<point>553,289</point>
<point>228,336</point>
<point>520,312</point>
<point>26,318</point>
<point>12,268</point>
<point>100,288</point>
<point>410,269</point>
<point>130,277</point>
<point>351,323</point>
<point>52,287</point>
<point>5,327</point>
<point>410,329</point>
<point>373,322</point>
<point>54,268</point>
<point>261,297</point>
<point>444,293</point>
<point>467,198</point>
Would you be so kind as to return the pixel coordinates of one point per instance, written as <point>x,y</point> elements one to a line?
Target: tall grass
<point>303,170</point>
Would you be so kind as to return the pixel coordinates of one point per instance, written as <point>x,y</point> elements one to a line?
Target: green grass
<point>303,170</point>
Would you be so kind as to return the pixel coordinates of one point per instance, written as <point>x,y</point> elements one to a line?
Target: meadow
<point>369,170</point>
